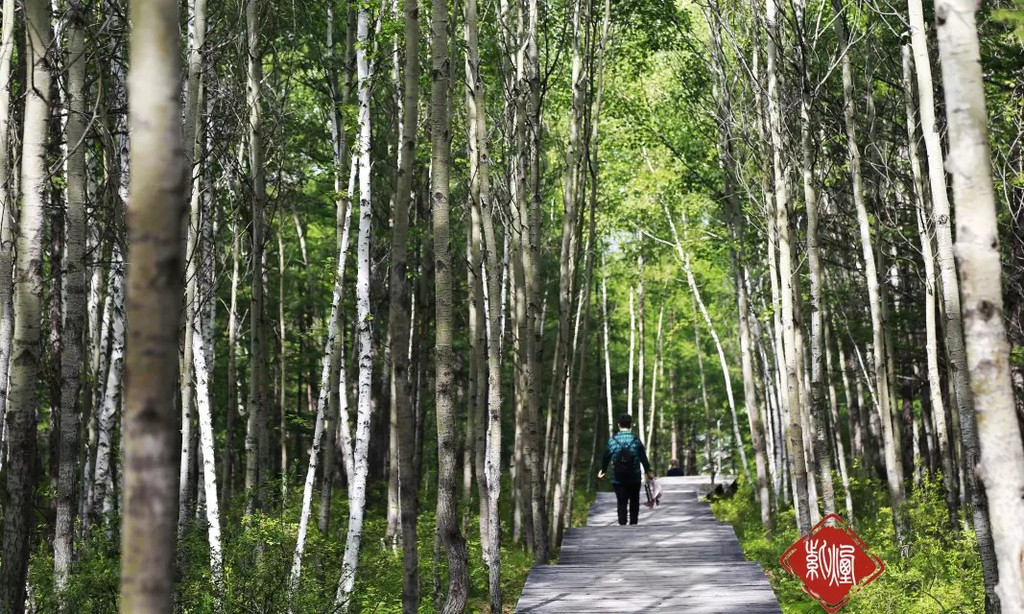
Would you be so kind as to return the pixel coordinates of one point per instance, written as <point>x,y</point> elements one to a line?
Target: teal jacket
<point>620,441</point>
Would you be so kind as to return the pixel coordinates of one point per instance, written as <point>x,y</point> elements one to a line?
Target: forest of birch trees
<point>330,306</point>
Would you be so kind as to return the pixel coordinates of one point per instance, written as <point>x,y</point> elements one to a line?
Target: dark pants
<point>628,494</point>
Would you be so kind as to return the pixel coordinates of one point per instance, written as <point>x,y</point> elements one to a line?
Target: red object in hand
<point>832,563</point>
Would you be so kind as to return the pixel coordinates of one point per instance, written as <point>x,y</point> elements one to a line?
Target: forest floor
<point>940,574</point>
<point>257,583</point>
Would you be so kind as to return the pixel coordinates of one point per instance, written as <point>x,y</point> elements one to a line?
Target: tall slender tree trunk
<point>931,332</point>
<point>837,431</point>
<point>632,351</point>
<point>1001,462</point>
<point>894,469</point>
<point>27,349</point>
<point>227,462</point>
<point>607,354</point>
<point>154,295</point>
<point>684,257</point>
<point>491,476</point>
<point>360,462</point>
<point>816,417</point>
<point>322,407</point>
<point>654,378</point>
<point>709,422</point>
<point>204,410</point>
<point>7,210</point>
<point>256,438</point>
<point>974,490</point>
<point>75,308</point>
<point>561,386</point>
<point>641,334</point>
<point>788,349</point>
<point>440,127</point>
<point>398,315</point>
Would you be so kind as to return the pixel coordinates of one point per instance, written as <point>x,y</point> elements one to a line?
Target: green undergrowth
<point>940,574</point>
<point>258,560</point>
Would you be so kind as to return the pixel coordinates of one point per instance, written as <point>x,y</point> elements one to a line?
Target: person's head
<point>625,421</point>
<point>674,463</point>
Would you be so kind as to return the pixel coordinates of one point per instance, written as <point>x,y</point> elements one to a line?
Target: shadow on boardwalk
<point>679,559</point>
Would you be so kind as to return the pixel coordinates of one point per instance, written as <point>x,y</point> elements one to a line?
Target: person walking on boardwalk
<point>626,453</point>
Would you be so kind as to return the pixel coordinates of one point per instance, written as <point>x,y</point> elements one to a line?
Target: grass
<point>939,572</point>
<point>258,560</point>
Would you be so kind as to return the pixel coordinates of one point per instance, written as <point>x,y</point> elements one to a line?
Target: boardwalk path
<point>679,559</point>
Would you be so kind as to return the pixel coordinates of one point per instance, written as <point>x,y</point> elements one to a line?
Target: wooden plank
<point>678,559</point>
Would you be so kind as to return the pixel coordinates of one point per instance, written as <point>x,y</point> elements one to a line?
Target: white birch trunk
<point>607,355</point>
<point>964,419</point>
<point>112,389</point>
<point>894,468</point>
<point>7,214</point>
<point>654,379</point>
<point>787,347</point>
<point>26,348</point>
<point>158,187</point>
<point>632,349</point>
<point>1001,463</point>
<point>318,429</point>
<point>204,409</point>
<point>357,479</point>
<point>931,326</point>
<point>684,257</point>
<point>74,300</point>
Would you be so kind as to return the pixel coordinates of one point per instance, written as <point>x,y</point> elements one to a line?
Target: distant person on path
<point>626,453</point>
<point>674,470</point>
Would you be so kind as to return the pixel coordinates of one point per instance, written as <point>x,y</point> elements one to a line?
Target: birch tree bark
<point>155,287</point>
<point>227,462</point>
<point>607,355</point>
<point>74,301</point>
<point>327,361</point>
<point>360,463</point>
<point>1001,462</point>
<point>256,438</point>
<point>398,315</point>
<point>893,468</point>
<point>684,257</point>
<point>931,333</point>
<point>476,101</point>
<point>953,325</point>
<point>447,506</point>
<point>632,350</point>
<point>336,424</point>
<point>788,348</point>
<point>27,349</point>
<point>204,409</point>
<point>816,416</point>
<point>7,209</point>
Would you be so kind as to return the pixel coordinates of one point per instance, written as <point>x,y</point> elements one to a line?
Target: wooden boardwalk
<point>678,559</point>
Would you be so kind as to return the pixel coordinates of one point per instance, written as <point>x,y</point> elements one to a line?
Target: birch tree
<point>480,158</point>
<point>27,350</point>
<point>256,438</point>
<point>74,300</point>
<point>447,506</point>
<point>1001,462</point>
<point>953,324</point>
<point>155,285</point>
<point>357,479</point>
<point>7,208</point>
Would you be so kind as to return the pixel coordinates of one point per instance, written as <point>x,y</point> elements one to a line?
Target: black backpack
<point>625,463</point>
